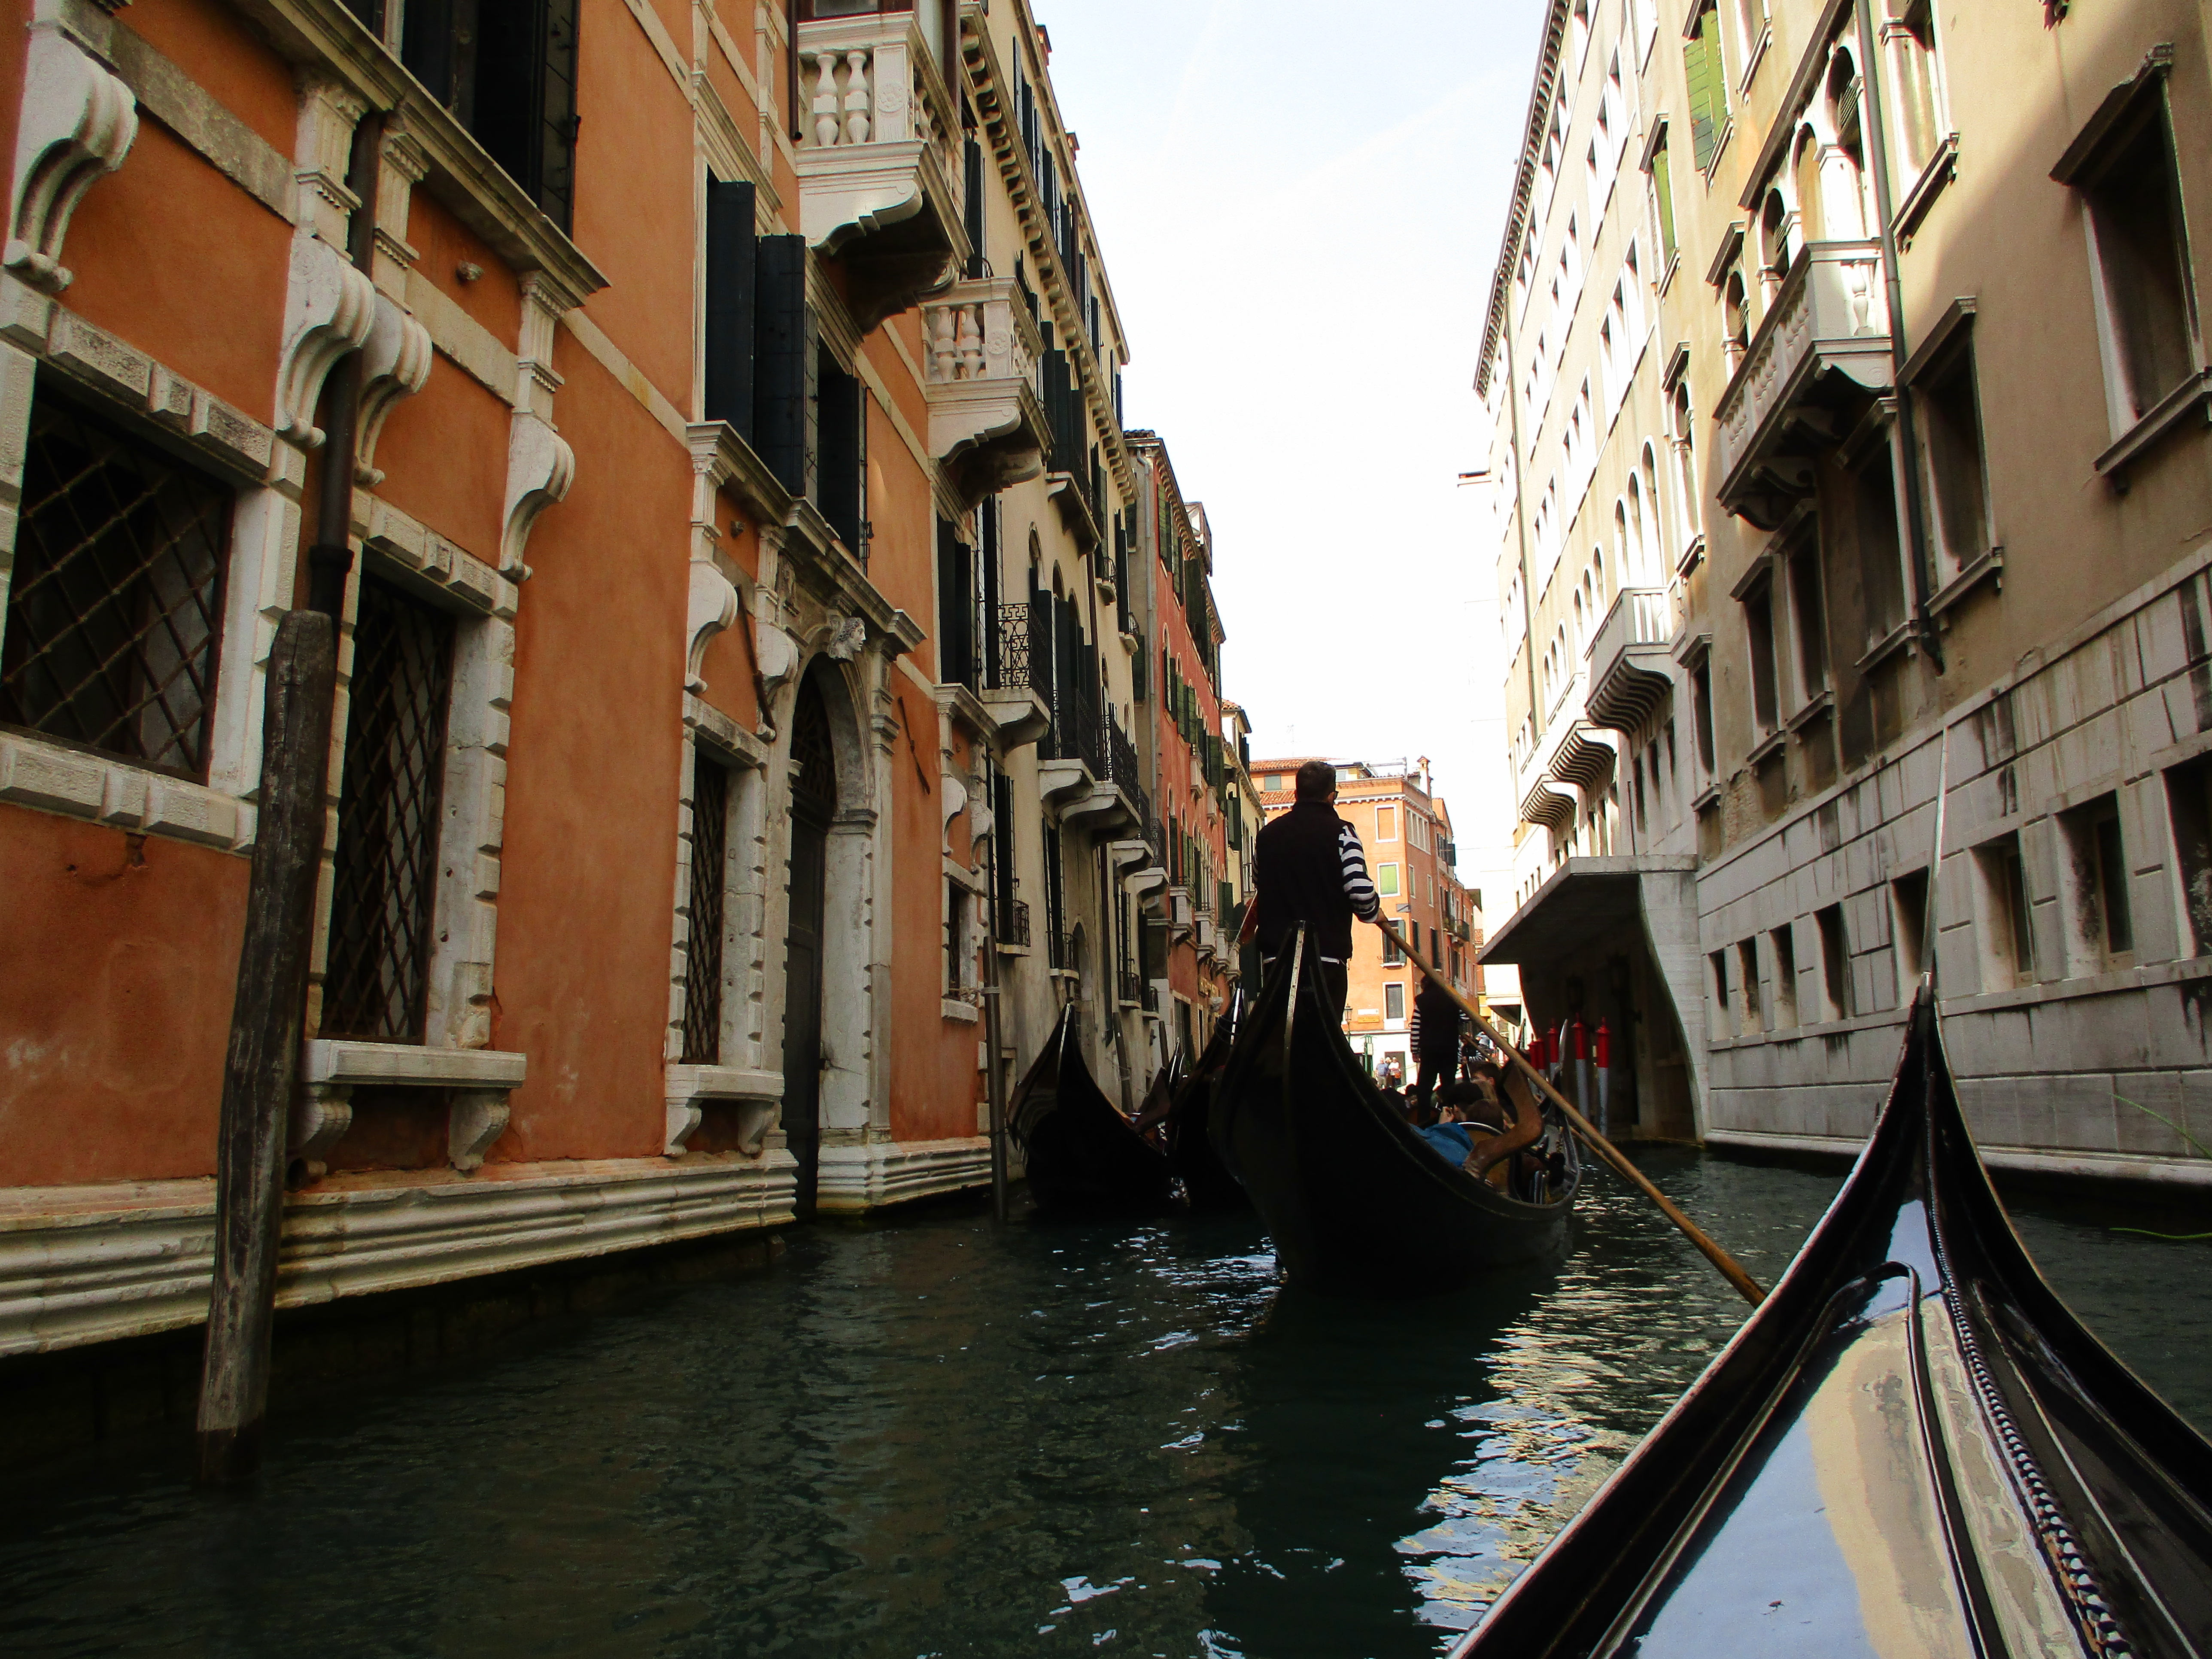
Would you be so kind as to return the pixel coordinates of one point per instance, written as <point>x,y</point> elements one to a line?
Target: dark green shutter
<point>783,347</point>
<point>731,279</point>
<point>1662,185</point>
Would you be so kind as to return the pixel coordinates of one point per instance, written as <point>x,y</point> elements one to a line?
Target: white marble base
<point>863,1176</point>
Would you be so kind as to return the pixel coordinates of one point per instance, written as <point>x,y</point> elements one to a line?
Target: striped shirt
<point>1357,887</point>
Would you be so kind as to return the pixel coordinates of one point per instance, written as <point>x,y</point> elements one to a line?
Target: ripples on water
<point>942,1438</point>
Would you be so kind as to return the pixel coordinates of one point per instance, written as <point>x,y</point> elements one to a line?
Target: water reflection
<point>938,1438</point>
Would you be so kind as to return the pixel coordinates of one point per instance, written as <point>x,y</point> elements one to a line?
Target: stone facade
<point>1850,499</point>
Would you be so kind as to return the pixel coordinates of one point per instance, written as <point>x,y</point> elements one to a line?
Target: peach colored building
<point>1406,831</point>
<point>724,370</point>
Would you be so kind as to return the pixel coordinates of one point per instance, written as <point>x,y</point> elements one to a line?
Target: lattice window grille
<point>114,612</point>
<point>702,949</point>
<point>384,887</point>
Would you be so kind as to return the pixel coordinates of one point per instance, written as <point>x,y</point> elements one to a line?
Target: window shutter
<point>839,435</point>
<point>555,180</point>
<point>1701,68</point>
<point>956,609</point>
<point>731,274</point>
<point>972,211</point>
<point>783,350</point>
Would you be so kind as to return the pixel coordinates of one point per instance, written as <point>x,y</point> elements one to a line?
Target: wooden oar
<point>1731,1268</point>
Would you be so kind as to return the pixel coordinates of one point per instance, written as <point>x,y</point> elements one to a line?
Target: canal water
<point>940,1436</point>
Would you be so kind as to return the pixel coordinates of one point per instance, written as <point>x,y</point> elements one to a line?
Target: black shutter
<point>955,610</point>
<point>437,45</point>
<point>837,442</point>
<point>730,277</point>
<point>987,519</point>
<point>972,216</point>
<point>782,353</point>
<point>524,111</point>
<point>554,181</point>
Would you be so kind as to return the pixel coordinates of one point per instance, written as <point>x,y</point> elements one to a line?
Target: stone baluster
<point>943,348</point>
<point>857,103</point>
<point>971,342</point>
<point>825,99</point>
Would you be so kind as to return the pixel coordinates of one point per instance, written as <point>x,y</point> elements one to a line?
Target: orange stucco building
<point>719,368</point>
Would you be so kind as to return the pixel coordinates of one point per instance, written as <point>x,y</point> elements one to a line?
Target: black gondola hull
<point>1206,1181</point>
<point>1354,1200</point>
<point>1082,1156</point>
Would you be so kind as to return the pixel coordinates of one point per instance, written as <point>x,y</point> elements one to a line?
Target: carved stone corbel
<point>329,309</point>
<point>713,607</point>
<point>953,801</point>
<point>77,125</point>
<point>777,653</point>
<point>540,467</point>
<point>394,364</point>
<point>477,1119</point>
<point>321,1113</point>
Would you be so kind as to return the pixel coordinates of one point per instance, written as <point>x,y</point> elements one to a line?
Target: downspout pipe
<point>1885,210</point>
<point>1521,528</point>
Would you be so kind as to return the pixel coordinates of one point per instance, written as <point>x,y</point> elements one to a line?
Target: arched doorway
<point>813,805</point>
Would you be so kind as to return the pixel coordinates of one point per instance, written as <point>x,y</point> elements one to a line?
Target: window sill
<point>1690,557</point>
<point>1666,275</point>
<point>1986,567</point>
<point>345,1060</point>
<point>957,1009</point>
<point>1821,703</point>
<point>1720,149</point>
<point>1896,642</point>
<point>1768,747</point>
<point>2193,397</point>
<point>1942,167</point>
<point>1757,57</point>
<point>78,783</point>
<point>1708,796</point>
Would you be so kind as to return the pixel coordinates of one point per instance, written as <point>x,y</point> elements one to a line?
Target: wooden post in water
<point>264,1058</point>
<point>1731,1268</point>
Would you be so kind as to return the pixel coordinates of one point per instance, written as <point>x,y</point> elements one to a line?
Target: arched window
<point>1625,553</point>
<point>1844,212</point>
<point>1735,319</point>
<point>1685,465</point>
<point>1651,532</point>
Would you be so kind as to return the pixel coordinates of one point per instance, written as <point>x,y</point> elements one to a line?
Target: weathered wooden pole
<point>1731,1268</point>
<point>994,1083</point>
<point>264,1058</point>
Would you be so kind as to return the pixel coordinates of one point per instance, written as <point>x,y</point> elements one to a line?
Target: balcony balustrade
<point>1014,923</point>
<point>1014,642</point>
<point>1628,660</point>
<point>877,159</point>
<point>986,422</point>
<point>1830,314</point>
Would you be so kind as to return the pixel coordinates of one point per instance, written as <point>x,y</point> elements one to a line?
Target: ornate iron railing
<point>1014,923</point>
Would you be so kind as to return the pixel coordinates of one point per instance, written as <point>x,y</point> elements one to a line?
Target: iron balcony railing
<point>1058,950</point>
<point>1131,987</point>
<point>1014,923</point>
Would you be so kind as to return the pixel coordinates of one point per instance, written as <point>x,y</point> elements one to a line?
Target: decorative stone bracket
<point>713,607</point>
<point>395,364</point>
<point>540,467</point>
<point>331,1068</point>
<point>77,125</point>
<point>758,1097</point>
<point>330,307</point>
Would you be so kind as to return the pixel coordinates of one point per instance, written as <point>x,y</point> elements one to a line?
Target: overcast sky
<point>1300,205</point>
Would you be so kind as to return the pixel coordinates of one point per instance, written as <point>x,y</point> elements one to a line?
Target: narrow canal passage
<point>938,1437</point>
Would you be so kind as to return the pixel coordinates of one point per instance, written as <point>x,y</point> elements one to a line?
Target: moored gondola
<point>1082,1154</point>
<point>1206,1180</point>
<point>1354,1200</point>
<point>1912,1447</point>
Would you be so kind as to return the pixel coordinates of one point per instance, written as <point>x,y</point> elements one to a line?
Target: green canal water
<point>940,1436</point>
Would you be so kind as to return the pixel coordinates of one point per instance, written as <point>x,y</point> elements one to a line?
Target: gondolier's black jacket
<point>1301,869</point>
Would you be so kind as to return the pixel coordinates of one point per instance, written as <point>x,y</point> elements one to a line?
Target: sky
<point>1300,205</point>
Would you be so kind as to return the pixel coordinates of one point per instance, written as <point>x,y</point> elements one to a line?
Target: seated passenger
<point>1448,1136</point>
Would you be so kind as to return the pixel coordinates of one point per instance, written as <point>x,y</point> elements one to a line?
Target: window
<point>1784,940</point>
<point>1759,627</point>
<point>385,867</point>
<point>1811,618</point>
<point>2007,945</point>
<point>1701,68</point>
<point>1908,904</point>
<point>2124,166</point>
<point>1882,555</point>
<point>957,659</point>
<point>1753,1016</point>
<point>1725,1023</point>
<point>506,69</point>
<point>1701,698</point>
<point>1386,823</point>
<point>1392,955</point>
<point>1686,494</point>
<point>114,614</point>
<point>1835,962</point>
<point>1916,97</point>
<point>1386,880</point>
<point>841,478</point>
<point>1750,23</point>
<point>1393,1001</point>
<point>2189,800</point>
<point>960,953</point>
<point>702,945</point>
<point>1662,202</point>
<point>2095,877</point>
<point>1952,462</point>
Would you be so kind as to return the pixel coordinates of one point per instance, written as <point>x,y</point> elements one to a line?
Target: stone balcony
<point>1573,753</point>
<point>1628,660</point>
<point>878,160</point>
<point>986,422</point>
<point>1823,343</point>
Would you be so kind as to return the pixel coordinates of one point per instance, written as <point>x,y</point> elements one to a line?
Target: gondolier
<point>1309,867</point>
<point>1435,1032</point>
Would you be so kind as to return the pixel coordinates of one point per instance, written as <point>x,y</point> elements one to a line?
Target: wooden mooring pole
<point>264,1058</point>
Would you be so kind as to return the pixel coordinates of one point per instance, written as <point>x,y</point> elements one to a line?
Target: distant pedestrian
<point>1309,867</point>
<point>1435,1037</point>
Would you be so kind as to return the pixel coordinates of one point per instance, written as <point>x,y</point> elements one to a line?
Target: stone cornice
<point>729,462</point>
<point>1524,179</point>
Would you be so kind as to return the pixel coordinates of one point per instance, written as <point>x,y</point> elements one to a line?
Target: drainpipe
<point>1894,289</point>
<point>1521,528</point>
<point>268,1008</point>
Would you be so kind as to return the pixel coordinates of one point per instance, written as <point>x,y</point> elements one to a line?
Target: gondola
<point>1206,1180</point>
<point>1910,1447</point>
<point>1354,1200</point>
<point>1082,1154</point>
